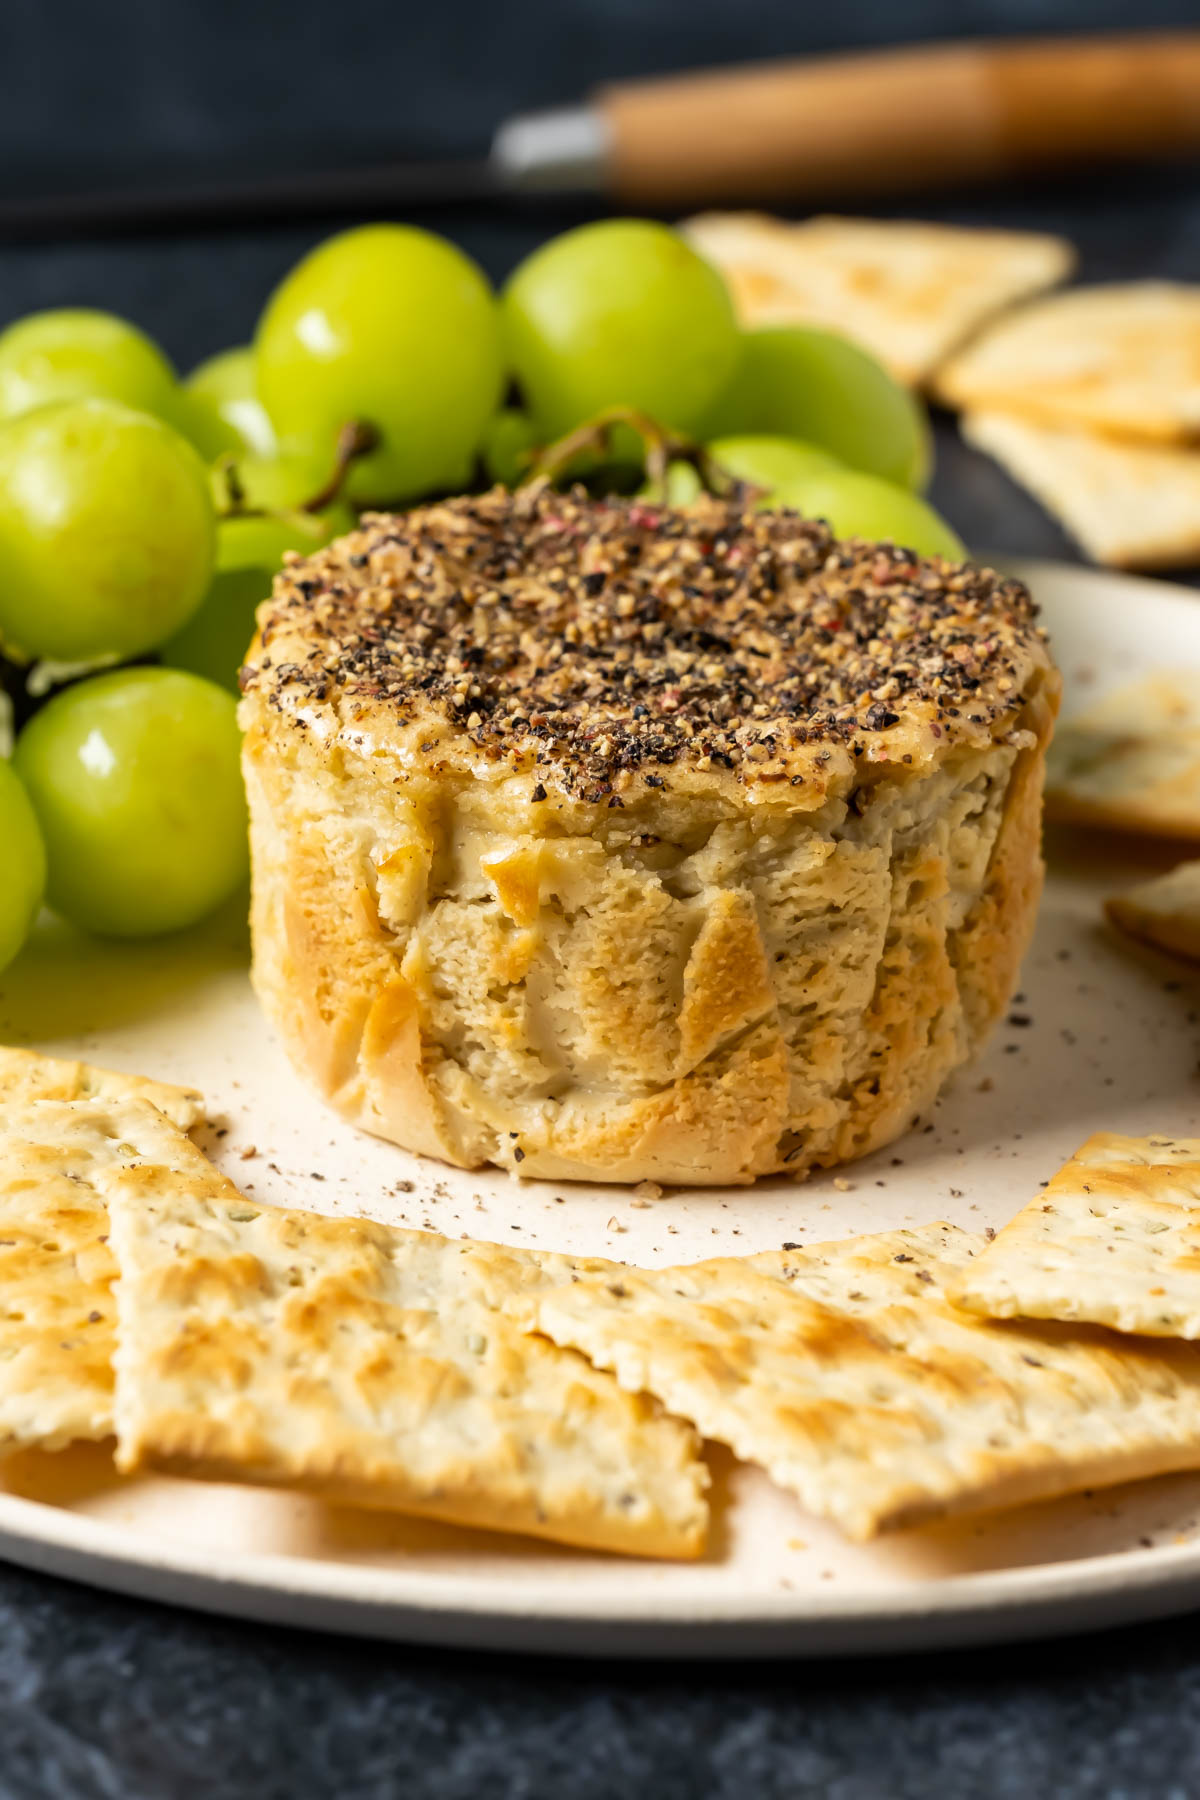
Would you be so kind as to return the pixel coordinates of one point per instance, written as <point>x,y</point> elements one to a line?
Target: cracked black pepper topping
<point>595,639</point>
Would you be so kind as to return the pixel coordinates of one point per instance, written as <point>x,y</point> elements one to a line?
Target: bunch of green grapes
<point>123,804</point>
<point>625,313</point>
<point>145,517</point>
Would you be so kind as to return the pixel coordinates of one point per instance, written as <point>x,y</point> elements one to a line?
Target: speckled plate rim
<point>484,1612</point>
<point>417,1607</point>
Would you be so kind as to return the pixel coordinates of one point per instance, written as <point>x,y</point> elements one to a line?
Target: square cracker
<point>1113,1240</point>
<point>1164,912</point>
<point>844,1371</point>
<point>378,1367</point>
<point>1132,761</point>
<point>909,293</point>
<point>28,1075</point>
<point>1121,358</point>
<point>1131,505</point>
<point>57,1316</point>
<point>1105,1149</point>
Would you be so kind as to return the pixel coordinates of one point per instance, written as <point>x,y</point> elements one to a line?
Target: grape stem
<point>235,493</point>
<point>356,438</point>
<point>661,448</point>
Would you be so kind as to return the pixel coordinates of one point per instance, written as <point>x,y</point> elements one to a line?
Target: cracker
<point>1122,358</point>
<point>1106,1148</point>
<point>1132,761</point>
<point>28,1075</point>
<point>846,1374</point>
<point>1108,1242</point>
<point>1130,505</point>
<point>1164,912</point>
<point>908,292</point>
<point>57,1317</point>
<point>381,1368</point>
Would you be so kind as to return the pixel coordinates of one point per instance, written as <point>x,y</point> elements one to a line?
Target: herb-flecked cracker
<point>28,1075</point>
<point>1109,1148</point>
<point>909,292</point>
<point>1122,358</point>
<point>1108,1242</point>
<point>1130,504</point>
<point>1132,761</point>
<point>57,1317</point>
<point>1164,912</point>
<point>379,1367</point>
<point>844,1371</point>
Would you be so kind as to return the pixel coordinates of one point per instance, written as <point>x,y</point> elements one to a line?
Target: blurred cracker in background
<point>910,293</point>
<point>1128,504</point>
<point>1123,358</point>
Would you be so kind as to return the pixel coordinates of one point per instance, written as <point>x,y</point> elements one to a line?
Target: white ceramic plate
<point>1104,1036</point>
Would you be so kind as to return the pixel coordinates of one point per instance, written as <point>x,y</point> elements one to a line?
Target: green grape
<point>106,531</point>
<point>858,505</point>
<point>261,542</point>
<point>799,382</point>
<point>620,313</point>
<point>220,411</point>
<point>250,550</point>
<point>781,466</point>
<point>683,484</point>
<point>22,865</point>
<point>135,780</point>
<point>508,442</point>
<point>774,463</point>
<point>215,639</point>
<point>397,328</point>
<point>75,354</point>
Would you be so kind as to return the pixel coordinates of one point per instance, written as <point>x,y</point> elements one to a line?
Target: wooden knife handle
<point>885,121</point>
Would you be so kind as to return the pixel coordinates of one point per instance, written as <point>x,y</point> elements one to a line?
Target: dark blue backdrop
<point>89,87</point>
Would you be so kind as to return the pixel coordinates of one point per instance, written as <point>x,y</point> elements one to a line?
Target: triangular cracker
<point>910,293</point>
<point>1123,358</point>
<point>1109,1242</point>
<point>845,1373</point>
<point>28,1075</point>
<point>1131,505</point>
<point>1132,761</point>
<point>378,1367</point>
<point>1164,912</point>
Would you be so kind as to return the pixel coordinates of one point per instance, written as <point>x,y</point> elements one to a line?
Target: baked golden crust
<point>608,843</point>
<point>377,1367</point>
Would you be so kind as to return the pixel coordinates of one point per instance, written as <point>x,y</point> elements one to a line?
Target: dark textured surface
<point>109,1698</point>
<point>103,1698</point>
